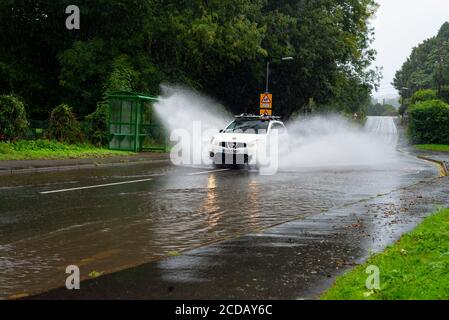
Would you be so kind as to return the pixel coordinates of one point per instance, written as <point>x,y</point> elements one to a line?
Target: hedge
<point>423,95</point>
<point>429,122</point>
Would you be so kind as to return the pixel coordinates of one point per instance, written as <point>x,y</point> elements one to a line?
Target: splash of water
<point>198,116</point>
<point>179,107</point>
<point>320,141</point>
<point>333,141</point>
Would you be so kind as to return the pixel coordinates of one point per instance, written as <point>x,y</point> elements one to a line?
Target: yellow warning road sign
<point>266,112</point>
<point>266,101</point>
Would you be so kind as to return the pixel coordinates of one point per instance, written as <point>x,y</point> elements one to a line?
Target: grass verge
<point>433,147</point>
<point>416,267</point>
<point>45,149</point>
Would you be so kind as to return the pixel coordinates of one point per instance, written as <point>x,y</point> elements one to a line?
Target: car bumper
<point>230,156</point>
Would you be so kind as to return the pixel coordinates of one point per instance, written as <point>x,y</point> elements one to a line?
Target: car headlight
<point>215,142</point>
<point>252,145</point>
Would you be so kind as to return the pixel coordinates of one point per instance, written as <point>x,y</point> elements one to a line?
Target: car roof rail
<point>253,116</point>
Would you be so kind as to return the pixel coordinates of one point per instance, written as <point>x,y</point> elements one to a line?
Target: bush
<point>98,121</point>
<point>13,120</point>
<point>5,148</point>
<point>429,122</point>
<point>423,95</point>
<point>63,125</point>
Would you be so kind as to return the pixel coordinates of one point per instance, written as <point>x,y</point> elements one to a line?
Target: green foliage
<point>46,149</point>
<point>413,268</point>
<point>83,70</point>
<point>13,120</point>
<point>5,148</point>
<point>389,110</point>
<point>427,67</point>
<point>429,122</point>
<point>98,121</point>
<point>433,147</point>
<point>219,47</point>
<point>63,125</point>
<point>444,93</point>
<point>123,76</point>
<point>423,95</point>
<point>379,109</point>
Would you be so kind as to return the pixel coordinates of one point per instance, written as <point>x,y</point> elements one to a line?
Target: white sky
<point>401,25</point>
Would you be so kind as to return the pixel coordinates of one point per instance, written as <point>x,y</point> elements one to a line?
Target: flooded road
<point>146,212</point>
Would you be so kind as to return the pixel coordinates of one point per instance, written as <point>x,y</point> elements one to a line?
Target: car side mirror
<point>221,130</point>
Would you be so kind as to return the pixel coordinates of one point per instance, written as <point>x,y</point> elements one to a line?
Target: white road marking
<point>206,172</point>
<point>95,186</point>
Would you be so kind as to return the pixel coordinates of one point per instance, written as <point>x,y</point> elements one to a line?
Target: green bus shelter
<point>133,125</point>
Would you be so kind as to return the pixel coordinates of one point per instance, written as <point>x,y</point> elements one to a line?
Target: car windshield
<point>254,126</point>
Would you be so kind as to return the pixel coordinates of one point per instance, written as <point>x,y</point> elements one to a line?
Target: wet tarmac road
<point>114,227</point>
<point>143,213</point>
<point>294,260</point>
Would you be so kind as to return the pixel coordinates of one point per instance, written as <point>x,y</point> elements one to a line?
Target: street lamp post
<point>268,71</point>
<point>405,90</point>
<point>267,78</point>
<point>439,65</point>
<point>403,114</point>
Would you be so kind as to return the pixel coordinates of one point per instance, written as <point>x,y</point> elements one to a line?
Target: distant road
<point>383,126</point>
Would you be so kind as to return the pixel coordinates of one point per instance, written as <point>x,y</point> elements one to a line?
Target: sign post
<point>266,104</point>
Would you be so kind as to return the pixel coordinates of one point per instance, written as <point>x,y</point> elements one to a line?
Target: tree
<point>219,47</point>
<point>427,67</point>
<point>379,109</point>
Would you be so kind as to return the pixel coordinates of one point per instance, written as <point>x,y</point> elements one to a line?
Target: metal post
<point>110,137</point>
<point>120,125</point>
<point>138,105</point>
<point>268,76</point>
<point>268,69</point>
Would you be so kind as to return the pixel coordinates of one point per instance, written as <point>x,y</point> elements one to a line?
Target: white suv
<point>240,141</point>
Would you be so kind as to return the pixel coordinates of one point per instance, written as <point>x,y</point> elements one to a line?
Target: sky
<point>399,26</point>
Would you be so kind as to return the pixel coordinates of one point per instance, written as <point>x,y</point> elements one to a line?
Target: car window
<point>248,126</point>
<point>279,127</point>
